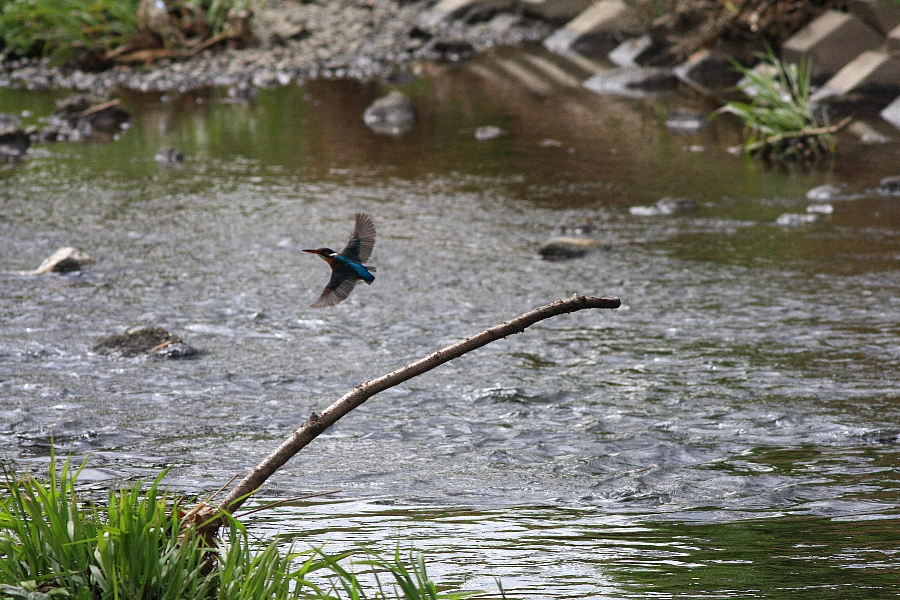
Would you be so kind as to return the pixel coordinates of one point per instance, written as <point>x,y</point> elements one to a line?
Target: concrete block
<point>707,70</point>
<point>595,31</point>
<point>559,11</point>
<point>869,71</point>
<point>830,42</point>
<point>454,9</point>
<point>891,113</point>
<point>893,39</point>
<point>881,15</point>
<point>630,52</point>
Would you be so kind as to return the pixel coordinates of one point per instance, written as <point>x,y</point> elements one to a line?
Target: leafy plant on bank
<point>54,545</point>
<point>780,123</point>
<point>73,31</point>
<point>64,29</point>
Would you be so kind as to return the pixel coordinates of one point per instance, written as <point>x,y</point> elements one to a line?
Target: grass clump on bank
<point>65,29</point>
<point>93,34</point>
<point>54,545</point>
<point>780,122</point>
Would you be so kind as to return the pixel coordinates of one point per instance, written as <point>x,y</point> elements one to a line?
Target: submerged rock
<point>243,92</point>
<point>14,141</point>
<point>393,114</point>
<point>822,209</point>
<point>796,219</point>
<point>137,341</point>
<point>64,260</point>
<point>664,206</point>
<point>488,132</point>
<point>889,186</point>
<point>564,248</point>
<point>683,121</point>
<point>169,156</point>
<point>84,116</point>
<point>824,192</point>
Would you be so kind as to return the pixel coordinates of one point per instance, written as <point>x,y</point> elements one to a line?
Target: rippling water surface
<point>730,431</point>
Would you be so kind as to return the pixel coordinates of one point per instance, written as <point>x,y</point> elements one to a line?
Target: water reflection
<point>742,400</point>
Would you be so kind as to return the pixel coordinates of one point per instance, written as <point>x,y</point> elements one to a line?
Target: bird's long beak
<point>312,251</point>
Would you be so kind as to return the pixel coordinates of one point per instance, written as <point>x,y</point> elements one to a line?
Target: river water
<point>730,431</point>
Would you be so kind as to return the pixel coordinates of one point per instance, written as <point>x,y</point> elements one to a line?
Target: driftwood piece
<point>206,515</point>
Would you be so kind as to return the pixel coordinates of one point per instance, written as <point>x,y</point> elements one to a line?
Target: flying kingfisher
<point>347,267</point>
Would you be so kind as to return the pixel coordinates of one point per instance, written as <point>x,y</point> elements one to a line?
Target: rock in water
<point>889,186</point>
<point>393,114</point>
<point>824,193</point>
<point>14,141</point>
<point>64,260</point>
<point>664,206</point>
<point>83,116</point>
<point>488,132</point>
<point>796,220</point>
<point>137,341</point>
<point>563,248</point>
<point>169,156</point>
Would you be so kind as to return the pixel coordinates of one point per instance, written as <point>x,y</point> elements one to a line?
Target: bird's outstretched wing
<point>342,282</point>
<point>362,241</point>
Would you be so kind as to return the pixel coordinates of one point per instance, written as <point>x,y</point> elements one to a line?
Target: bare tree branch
<point>319,422</point>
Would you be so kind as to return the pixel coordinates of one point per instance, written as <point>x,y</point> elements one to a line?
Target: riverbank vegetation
<point>98,33</point>
<point>56,544</point>
<point>779,119</point>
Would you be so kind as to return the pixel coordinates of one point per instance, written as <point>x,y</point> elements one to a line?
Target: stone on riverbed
<point>563,248</point>
<point>169,156</point>
<point>889,186</point>
<point>488,132</point>
<point>824,192</point>
<point>64,260</point>
<point>14,141</point>
<point>664,206</point>
<point>393,114</point>
<point>84,116</point>
<point>138,341</point>
<point>795,219</point>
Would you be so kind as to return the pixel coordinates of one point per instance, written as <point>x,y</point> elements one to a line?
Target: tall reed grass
<point>54,545</point>
<point>781,124</point>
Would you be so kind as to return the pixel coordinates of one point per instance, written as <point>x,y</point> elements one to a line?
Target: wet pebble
<point>173,351</point>
<point>564,248</point>
<point>85,116</point>
<point>822,209</point>
<point>243,92</point>
<point>14,141</point>
<point>488,132</point>
<point>393,114</point>
<point>664,206</point>
<point>889,186</point>
<point>64,260</point>
<point>796,219</point>
<point>825,192</point>
<point>138,341</point>
<point>682,121</point>
<point>169,156</point>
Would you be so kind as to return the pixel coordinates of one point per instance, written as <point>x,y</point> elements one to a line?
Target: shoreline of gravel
<point>356,39</point>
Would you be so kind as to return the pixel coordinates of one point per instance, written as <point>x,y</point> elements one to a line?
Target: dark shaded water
<point>731,431</point>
